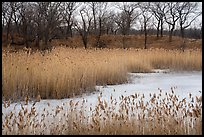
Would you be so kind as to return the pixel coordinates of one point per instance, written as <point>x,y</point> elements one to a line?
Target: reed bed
<point>66,72</point>
<point>164,113</point>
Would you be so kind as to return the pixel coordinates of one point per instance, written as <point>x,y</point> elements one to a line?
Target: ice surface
<point>183,83</point>
<point>142,83</point>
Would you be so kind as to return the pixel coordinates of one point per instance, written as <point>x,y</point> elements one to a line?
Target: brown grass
<point>66,72</point>
<point>131,41</point>
<point>158,116</point>
<point>116,41</point>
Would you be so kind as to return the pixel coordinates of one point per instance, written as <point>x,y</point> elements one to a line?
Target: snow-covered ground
<point>182,84</point>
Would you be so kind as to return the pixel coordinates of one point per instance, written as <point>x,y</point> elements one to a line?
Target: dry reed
<point>131,115</point>
<point>66,72</point>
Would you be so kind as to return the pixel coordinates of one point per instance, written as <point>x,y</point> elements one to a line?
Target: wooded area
<point>41,22</point>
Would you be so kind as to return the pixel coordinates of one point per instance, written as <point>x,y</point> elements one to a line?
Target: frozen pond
<point>140,84</point>
<point>182,83</point>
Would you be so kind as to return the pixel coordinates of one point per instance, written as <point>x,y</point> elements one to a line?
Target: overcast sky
<point>112,6</point>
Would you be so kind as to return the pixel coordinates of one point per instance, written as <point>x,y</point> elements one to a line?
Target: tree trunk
<point>94,17</point>
<point>98,44</point>
<point>145,33</point>
<point>2,26</point>
<point>17,27</point>
<point>170,35</point>
<point>7,32</point>
<point>128,26</point>
<point>161,31</point>
<point>8,28</point>
<point>145,44</point>
<point>115,32</point>
<point>84,38</point>
<point>85,42</point>
<point>182,33</point>
<point>69,31</point>
<point>124,43</point>
<point>158,29</point>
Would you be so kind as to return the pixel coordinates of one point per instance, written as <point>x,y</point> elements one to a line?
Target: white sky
<point>112,6</point>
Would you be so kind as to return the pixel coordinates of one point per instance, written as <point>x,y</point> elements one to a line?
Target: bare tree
<point>200,30</point>
<point>26,20</point>
<point>185,10</point>
<point>47,19</point>
<point>94,8</point>
<point>7,12</point>
<point>141,24</point>
<point>68,9</point>
<point>42,21</point>
<point>171,17</point>
<point>3,15</point>
<point>126,18</point>
<point>158,9</point>
<point>16,7</point>
<point>121,22</point>
<point>129,14</point>
<point>84,27</point>
<point>111,27</point>
<point>146,15</point>
<point>102,16</point>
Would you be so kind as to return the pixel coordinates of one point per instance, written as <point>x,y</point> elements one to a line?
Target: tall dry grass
<point>162,114</point>
<point>67,72</point>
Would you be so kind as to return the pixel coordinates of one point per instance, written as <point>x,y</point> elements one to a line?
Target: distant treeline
<point>40,22</point>
<point>192,33</point>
